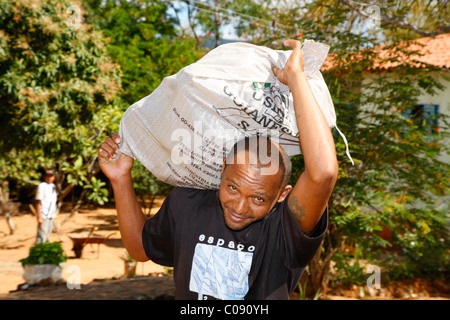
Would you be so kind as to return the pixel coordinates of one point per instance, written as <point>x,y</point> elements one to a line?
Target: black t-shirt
<point>263,261</point>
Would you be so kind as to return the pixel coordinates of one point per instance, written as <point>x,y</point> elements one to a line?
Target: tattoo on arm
<point>297,210</point>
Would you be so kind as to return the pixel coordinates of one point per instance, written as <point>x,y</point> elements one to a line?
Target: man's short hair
<point>247,144</point>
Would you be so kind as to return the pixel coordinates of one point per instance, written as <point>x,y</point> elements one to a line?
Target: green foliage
<point>147,186</point>
<point>75,172</point>
<point>302,292</point>
<point>127,258</point>
<point>144,182</point>
<point>58,91</point>
<point>53,79</point>
<point>349,271</point>
<point>45,253</point>
<point>98,193</point>
<point>399,179</point>
<point>143,41</point>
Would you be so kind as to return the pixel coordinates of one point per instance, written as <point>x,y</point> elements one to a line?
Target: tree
<point>58,91</point>
<point>210,15</point>
<point>398,179</point>
<point>143,40</point>
<point>419,18</point>
<point>251,20</point>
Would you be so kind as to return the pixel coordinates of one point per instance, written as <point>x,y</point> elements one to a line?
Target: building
<point>431,52</point>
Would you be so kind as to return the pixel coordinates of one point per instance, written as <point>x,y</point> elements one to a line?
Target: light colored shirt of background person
<point>46,198</point>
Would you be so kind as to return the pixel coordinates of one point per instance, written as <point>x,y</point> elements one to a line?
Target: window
<point>426,117</point>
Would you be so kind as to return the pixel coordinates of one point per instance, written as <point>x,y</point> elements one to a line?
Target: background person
<point>46,198</point>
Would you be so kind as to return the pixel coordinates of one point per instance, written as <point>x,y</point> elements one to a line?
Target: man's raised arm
<point>129,213</point>
<point>311,193</point>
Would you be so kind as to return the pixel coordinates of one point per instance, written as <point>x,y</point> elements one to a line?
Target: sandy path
<point>97,262</point>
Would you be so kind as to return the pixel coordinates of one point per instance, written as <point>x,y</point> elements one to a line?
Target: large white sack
<point>182,130</point>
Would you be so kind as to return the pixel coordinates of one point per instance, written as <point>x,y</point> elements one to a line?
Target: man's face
<point>247,196</point>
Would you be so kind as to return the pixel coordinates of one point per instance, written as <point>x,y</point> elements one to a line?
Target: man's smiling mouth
<point>236,217</point>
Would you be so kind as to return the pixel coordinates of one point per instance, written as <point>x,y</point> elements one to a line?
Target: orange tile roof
<point>433,51</point>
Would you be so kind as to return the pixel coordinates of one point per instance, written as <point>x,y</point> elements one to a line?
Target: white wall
<point>442,98</point>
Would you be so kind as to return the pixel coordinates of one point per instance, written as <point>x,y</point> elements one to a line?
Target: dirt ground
<point>101,269</point>
<point>98,265</point>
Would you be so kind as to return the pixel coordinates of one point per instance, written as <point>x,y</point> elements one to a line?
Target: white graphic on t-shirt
<point>220,272</point>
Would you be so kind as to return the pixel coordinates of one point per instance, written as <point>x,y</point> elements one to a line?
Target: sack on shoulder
<point>183,129</point>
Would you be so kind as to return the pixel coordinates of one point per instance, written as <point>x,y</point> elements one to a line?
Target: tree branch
<point>397,21</point>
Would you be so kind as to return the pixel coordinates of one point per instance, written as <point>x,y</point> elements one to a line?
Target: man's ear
<point>223,167</point>
<point>285,193</point>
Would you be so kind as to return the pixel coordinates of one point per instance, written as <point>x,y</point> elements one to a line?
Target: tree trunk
<point>216,25</point>
<point>191,24</point>
<point>10,222</point>
<point>7,207</point>
<point>76,207</point>
<point>317,273</point>
<point>4,192</point>
<point>69,188</point>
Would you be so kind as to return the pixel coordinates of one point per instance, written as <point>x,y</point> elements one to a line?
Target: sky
<point>227,31</point>
<point>368,24</point>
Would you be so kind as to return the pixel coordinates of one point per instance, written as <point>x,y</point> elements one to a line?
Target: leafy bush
<point>45,253</point>
<point>348,268</point>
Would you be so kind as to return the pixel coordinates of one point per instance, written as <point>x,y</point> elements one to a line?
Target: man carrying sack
<point>252,238</point>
